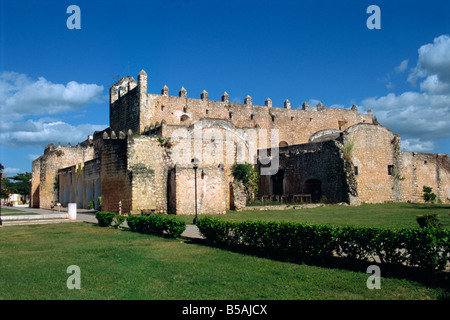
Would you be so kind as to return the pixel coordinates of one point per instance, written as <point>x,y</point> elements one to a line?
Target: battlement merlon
<point>139,109</point>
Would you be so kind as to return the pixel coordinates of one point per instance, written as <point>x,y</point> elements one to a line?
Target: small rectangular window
<point>356,171</point>
<point>390,170</point>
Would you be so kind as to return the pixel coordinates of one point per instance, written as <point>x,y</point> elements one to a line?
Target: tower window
<point>356,170</point>
<point>390,170</point>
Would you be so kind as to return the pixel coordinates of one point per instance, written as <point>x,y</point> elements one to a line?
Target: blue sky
<point>54,82</point>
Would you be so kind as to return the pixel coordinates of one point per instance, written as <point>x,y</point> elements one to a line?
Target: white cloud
<point>417,145</point>
<point>433,85</point>
<point>39,133</point>
<point>21,96</point>
<point>423,116</point>
<point>402,66</point>
<point>434,60</point>
<point>11,172</point>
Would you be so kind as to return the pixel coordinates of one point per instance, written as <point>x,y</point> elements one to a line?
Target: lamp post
<point>195,163</point>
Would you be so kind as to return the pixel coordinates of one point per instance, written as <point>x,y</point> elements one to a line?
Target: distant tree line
<point>18,184</point>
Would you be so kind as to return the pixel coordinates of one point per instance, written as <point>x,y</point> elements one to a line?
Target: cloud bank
<point>423,116</point>
<point>22,97</point>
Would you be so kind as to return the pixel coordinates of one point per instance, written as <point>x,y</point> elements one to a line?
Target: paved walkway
<point>83,215</point>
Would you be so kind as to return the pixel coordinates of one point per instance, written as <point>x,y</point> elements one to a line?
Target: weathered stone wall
<point>375,149</point>
<point>80,184</point>
<point>35,183</point>
<point>425,169</point>
<point>45,169</point>
<point>137,164</point>
<point>211,195</point>
<point>295,126</point>
<point>148,167</point>
<point>124,108</point>
<point>238,196</point>
<point>314,168</point>
<point>115,179</point>
<point>133,108</point>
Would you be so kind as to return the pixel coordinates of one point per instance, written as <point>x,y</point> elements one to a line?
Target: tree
<point>4,192</point>
<point>428,196</point>
<point>246,173</point>
<point>19,184</point>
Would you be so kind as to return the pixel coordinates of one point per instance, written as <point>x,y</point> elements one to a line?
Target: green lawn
<point>118,264</point>
<point>397,215</point>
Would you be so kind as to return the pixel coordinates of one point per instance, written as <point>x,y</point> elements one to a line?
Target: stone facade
<point>142,162</point>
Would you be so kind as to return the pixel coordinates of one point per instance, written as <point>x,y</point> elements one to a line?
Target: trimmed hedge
<point>104,218</point>
<point>158,224</point>
<point>426,248</point>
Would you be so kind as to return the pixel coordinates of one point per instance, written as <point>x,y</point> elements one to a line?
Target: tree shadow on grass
<point>430,278</point>
<point>426,206</point>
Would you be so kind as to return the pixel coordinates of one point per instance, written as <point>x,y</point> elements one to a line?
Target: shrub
<point>105,218</point>
<point>270,238</point>
<point>427,248</point>
<point>428,196</point>
<point>428,221</point>
<point>158,224</point>
<point>91,204</point>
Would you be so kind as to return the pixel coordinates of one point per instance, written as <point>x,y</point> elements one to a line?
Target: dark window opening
<point>356,170</point>
<point>314,188</point>
<point>390,170</point>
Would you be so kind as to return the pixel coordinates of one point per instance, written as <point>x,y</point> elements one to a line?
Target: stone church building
<point>144,161</point>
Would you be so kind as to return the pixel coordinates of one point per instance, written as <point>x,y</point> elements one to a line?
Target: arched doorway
<point>278,182</point>
<point>314,188</point>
